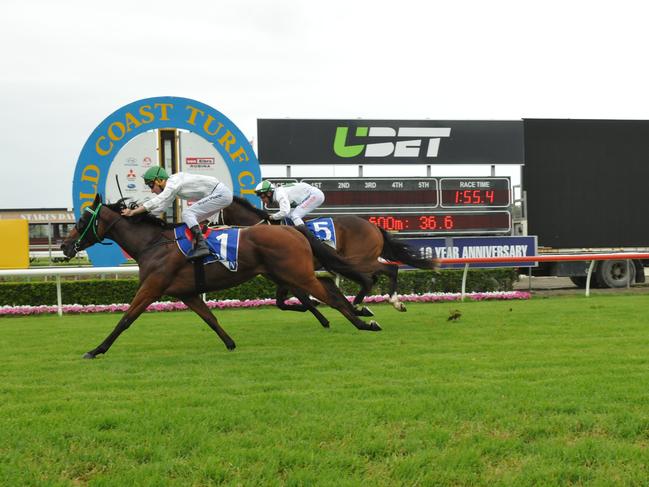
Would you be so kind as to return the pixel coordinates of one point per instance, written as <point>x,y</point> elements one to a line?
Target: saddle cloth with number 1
<point>223,242</point>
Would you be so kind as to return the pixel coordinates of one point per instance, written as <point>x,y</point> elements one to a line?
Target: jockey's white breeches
<point>219,198</point>
<point>314,200</point>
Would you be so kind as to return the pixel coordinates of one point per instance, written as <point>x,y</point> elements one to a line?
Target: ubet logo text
<point>408,141</point>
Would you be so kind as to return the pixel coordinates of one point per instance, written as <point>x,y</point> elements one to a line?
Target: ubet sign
<point>407,141</point>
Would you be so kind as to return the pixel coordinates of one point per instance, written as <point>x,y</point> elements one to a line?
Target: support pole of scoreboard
<point>464,276</point>
<point>590,273</point>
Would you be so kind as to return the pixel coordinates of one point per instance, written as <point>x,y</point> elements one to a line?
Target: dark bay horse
<point>360,242</point>
<point>282,254</point>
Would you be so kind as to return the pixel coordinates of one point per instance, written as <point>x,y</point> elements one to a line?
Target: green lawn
<point>541,392</point>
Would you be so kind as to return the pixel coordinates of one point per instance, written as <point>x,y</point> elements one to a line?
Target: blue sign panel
<point>131,120</point>
<point>476,247</point>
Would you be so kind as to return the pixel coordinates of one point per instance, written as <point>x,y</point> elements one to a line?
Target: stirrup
<point>200,252</point>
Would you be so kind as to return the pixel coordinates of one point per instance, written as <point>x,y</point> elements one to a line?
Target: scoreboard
<point>418,206</point>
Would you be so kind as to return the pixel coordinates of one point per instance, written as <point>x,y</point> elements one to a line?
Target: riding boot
<point>201,249</point>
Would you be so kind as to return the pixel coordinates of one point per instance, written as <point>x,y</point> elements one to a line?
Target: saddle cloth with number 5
<point>324,229</point>
<point>223,242</point>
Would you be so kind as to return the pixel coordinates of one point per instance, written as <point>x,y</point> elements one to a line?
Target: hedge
<point>114,291</point>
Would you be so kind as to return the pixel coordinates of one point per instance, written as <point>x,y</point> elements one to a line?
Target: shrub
<point>109,291</point>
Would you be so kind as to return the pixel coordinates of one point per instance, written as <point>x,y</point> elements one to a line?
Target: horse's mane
<point>249,206</point>
<point>146,218</point>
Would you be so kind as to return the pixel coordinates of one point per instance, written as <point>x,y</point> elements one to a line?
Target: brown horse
<point>282,254</point>
<point>357,240</point>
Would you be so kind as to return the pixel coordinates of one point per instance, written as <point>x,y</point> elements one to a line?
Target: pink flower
<point>251,303</point>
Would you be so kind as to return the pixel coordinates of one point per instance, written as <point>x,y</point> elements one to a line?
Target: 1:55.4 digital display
<point>475,192</point>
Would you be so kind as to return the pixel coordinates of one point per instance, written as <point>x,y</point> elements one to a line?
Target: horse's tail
<point>332,261</point>
<point>399,250</point>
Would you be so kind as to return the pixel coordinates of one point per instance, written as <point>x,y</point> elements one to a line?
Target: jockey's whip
<point>119,188</point>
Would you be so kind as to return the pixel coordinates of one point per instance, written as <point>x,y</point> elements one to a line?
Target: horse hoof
<point>364,311</point>
<point>401,308</point>
<point>88,355</point>
<point>374,326</point>
<point>231,346</point>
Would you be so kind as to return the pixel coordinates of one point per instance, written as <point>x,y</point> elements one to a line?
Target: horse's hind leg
<point>359,308</point>
<point>391,270</point>
<point>307,304</point>
<point>198,306</point>
<point>325,290</point>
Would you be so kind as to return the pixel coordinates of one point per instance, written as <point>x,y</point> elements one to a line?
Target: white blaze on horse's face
<point>69,245</point>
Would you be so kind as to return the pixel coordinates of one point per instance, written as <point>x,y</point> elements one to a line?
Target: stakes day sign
<point>101,148</point>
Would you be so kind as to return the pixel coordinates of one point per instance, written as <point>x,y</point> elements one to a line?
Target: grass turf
<point>541,392</point>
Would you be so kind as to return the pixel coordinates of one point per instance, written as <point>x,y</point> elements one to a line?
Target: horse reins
<point>94,223</point>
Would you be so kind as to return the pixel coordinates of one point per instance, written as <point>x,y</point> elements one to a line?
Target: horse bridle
<point>94,224</point>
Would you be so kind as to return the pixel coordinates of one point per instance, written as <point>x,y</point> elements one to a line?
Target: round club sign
<point>236,158</point>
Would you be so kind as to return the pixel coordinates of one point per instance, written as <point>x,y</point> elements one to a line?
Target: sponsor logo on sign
<point>200,162</point>
<point>131,176</point>
<point>131,186</point>
<point>131,161</point>
<point>129,121</point>
<point>406,141</point>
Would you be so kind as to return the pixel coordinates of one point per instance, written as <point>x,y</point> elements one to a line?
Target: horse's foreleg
<point>307,305</point>
<point>198,306</point>
<point>281,295</point>
<point>140,302</point>
<point>305,299</point>
<point>325,290</point>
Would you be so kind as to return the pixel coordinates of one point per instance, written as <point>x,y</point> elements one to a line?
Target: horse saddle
<point>223,243</point>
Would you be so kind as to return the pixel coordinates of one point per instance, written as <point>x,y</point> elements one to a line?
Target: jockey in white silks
<point>296,200</point>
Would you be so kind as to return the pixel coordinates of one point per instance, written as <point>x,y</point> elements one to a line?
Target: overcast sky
<point>67,65</point>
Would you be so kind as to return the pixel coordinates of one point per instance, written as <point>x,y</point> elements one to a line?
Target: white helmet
<point>264,187</point>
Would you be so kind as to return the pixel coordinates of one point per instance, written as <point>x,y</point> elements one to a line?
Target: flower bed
<point>249,303</point>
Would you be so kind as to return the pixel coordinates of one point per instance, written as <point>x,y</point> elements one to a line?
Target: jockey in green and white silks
<point>296,200</point>
<point>209,194</point>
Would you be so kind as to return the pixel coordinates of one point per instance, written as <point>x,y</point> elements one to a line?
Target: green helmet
<point>265,187</point>
<point>155,172</point>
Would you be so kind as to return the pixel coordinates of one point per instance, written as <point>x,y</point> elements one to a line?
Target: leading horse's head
<point>89,230</point>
